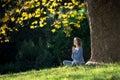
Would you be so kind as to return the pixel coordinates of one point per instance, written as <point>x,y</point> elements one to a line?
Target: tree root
<point>92,63</point>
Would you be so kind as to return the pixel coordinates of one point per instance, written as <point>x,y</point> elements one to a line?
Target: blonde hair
<point>79,41</point>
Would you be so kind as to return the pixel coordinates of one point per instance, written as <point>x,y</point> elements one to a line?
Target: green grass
<point>99,72</point>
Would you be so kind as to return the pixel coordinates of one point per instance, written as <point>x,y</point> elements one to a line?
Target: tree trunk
<point>104,20</point>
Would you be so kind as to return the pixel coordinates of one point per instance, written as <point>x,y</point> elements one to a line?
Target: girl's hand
<point>73,49</point>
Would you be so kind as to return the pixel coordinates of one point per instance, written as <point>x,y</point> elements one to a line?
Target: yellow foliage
<point>35,22</point>
<point>17,11</point>
<point>65,21</point>
<point>12,19</point>
<point>61,7</point>
<point>54,4</point>
<point>69,4</point>
<point>37,15</point>
<point>25,18</point>
<point>67,30</point>
<point>59,0</point>
<point>30,15</point>
<point>32,27</point>
<point>65,25</point>
<point>53,30</point>
<point>44,12</point>
<point>45,23</point>
<point>40,12</point>
<point>3,32</point>
<point>73,1</point>
<point>77,25</point>
<point>16,29</point>
<point>44,2</point>
<point>36,0</point>
<point>51,11</point>
<point>37,10</point>
<point>73,13</point>
<point>3,27</point>
<point>24,14</point>
<point>64,15</point>
<point>6,40</point>
<point>33,14</point>
<point>42,23</point>
<point>81,5</point>
<point>5,18</point>
<point>72,23</point>
<point>57,26</point>
<point>51,0</point>
<point>38,4</point>
<point>71,7</point>
<point>21,18</point>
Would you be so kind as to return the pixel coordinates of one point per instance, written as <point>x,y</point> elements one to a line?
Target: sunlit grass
<point>99,72</point>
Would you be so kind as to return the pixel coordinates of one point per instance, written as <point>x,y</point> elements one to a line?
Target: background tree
<point>104,20</point>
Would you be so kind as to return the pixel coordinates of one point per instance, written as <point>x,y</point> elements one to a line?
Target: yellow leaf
<point>21,18</point>
<point>38,4</point>
<point>53,30</point>
<point>33,14</point>
<point>5,18</point>
<point>36,0</point>
<point>35,22</point>
<point>44,1</point>
<point>72,23</point>
<point>65,22</point>
<point>65,25</point>
<point>41,24</point>
<point>76,3</point>
<point>65,4</point>
<point>57,26</point>
<point>71,7</point>
<point>73,1</point>
<point>24,14</point>
<point>25,18</point>
<point>17,10</point>
<point>30,15</point>
<point>3,32</point>
<point>64,15</point>
<point>16,29</point>
<point>37,15</point>
<point>77,25</point>
<point>32,27</point>
<point>82,5</point>
<point>45,23</point>
<point>44,12</point>
<point>7,40</point>
<point>72,15</point>
<point>12,19</point>
<point>69,4</point>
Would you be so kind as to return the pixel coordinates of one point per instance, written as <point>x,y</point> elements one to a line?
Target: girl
<point>77,53</point>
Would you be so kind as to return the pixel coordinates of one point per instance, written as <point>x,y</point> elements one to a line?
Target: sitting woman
<point>77,54</point>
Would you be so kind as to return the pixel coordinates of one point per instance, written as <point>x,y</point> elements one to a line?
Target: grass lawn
<point>99,72</point>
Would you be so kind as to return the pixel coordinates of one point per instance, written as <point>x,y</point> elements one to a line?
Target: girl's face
<point>75,41</point>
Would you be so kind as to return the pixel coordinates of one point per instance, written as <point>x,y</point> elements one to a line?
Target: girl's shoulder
<point>80,48</point>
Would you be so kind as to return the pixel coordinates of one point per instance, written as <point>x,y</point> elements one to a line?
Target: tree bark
<point>104,21</point>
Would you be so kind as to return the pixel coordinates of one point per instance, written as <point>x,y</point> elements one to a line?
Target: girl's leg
<point>74,63</point>
<point>67,62</point>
